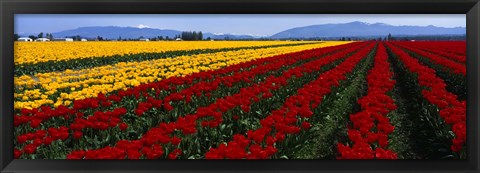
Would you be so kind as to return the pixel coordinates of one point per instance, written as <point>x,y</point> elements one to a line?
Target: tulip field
<point>240,100</point>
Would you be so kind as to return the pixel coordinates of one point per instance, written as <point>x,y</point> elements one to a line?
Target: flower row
<point>32,53</point>
<point>371,126</point>
<point>455,67</point>
<point>454,51</point>
<point>260,66</point>
<point>64,87</point>
<point>445,47</point>
<point>290,119</point>
<point>451,109</point>
<point>189,124</point>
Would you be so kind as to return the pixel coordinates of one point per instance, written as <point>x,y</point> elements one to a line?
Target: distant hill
<point>361,29</point>
<point>114,32</point>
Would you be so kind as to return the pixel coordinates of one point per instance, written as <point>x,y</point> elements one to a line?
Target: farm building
<point>83,39</point>
<point>63,39</point>
<point>144,39</point>
<point>26,39</point>
<point>42,40</point>
<point>178,39</point>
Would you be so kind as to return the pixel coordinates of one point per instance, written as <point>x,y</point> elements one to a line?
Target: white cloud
<point>143,26</point>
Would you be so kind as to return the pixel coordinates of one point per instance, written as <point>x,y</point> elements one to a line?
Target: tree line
<point>33,37</point>
<point>193,35</point>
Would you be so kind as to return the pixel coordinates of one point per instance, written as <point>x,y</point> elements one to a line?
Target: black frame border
<point>10,7</point>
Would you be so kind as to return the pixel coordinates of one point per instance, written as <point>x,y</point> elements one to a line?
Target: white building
<point>83,39</point>
<point>63,39</point>
<point>42,40</point>
<point>26,39</point>
<point>144,39</point>
<point>178,39</point>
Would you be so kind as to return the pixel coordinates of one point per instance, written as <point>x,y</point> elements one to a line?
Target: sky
<point>252,24</point>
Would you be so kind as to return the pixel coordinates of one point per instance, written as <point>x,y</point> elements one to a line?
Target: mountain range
<point>361,29</point>
<point>352,29</point>
<point>114,32</point>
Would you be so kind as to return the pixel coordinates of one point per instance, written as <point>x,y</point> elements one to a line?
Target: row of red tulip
<point>189,124</point>
<point>371,126</point>
<point>451,109</point>
<point>455,67</point>
<point>455,47</point>
<point>452,50</point>
<point>290,119</point>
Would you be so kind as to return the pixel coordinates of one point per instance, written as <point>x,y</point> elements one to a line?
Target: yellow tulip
<point>123,75</point>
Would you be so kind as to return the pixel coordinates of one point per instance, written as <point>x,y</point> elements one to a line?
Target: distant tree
<point>184,36</point>
<point>166,38</point>
<point>200,35</point>
<point>16,37</point>
<point>119,38</point>
<point>208,38</point>
<point>141,37</point>
<point>99,38</point>
<point>389,37</point>
<point>40,35</point>
<point>160,37</point>
<point>343,38</point>
<point>32,37</point>
<point>194,36</point>
<point>77,38</point>
<point>50,36</point>
<point>189,35</point>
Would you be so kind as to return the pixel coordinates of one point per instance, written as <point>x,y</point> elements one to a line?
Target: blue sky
<point>253,24</point>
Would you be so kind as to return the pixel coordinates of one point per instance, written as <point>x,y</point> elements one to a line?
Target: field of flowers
<point>240,100</point>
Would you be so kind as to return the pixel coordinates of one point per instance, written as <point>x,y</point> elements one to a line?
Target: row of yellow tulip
<point>79,84</point>
<point>32,53</point>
